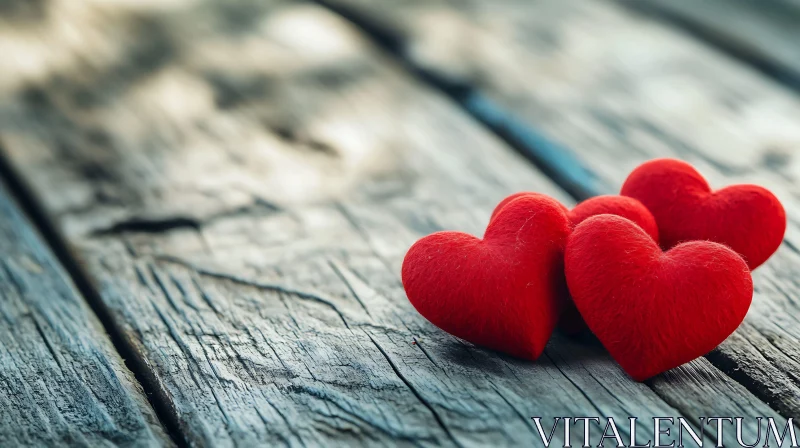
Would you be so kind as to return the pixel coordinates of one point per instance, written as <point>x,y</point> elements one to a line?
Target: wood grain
<point>616,88</point>
<point>61,381</point>
<point>243,196</point>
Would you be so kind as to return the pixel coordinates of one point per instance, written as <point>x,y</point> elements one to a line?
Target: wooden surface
<point>764,34</point>
<point>61,381</point>
<point>275,314</point>
<point>239,182</point>
<point>616,88</point>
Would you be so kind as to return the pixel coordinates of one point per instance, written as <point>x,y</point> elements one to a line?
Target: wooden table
<point>206,206</point>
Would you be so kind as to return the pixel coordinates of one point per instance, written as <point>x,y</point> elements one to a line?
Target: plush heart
<point>505,291</point>
<point>654,310</point>
<point>624,206</point>
<point>521,194</point>
<point>747,218</point>
<point>571,321</point>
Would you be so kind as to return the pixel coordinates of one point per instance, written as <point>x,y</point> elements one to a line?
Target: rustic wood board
<point>616,88</point>
<point>242,196</point>
<point>61,381</point>
<point>764,34</point>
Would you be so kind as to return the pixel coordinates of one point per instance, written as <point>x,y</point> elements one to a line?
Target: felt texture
<point>521,194</point>
<point>624,206</point>
<point>747,218</point>
<point>571,321</point>
<point>654,310</point>
<point>504,292</point>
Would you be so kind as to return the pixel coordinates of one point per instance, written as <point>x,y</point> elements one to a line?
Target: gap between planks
<point>754,47</point>
<point>555,161</point>
<point>142,373</point>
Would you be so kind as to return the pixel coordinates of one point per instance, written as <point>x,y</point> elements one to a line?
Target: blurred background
<point>298,92</point>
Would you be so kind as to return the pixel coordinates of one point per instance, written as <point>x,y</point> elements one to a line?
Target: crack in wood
<point>414,391</point>
<point>143,374</point>
<point>265,286</point>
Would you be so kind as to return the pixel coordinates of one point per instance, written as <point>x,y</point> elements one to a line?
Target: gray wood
<point>243,202</point>
<point>762,33</point>
<point>616,88</point>
<point>61,381</point>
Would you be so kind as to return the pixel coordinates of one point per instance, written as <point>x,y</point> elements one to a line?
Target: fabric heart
<point>503,292</point>
<point>747,218</point>
<point>613,205</point>
<point>654,310</point>
<point>626,207</point>
<point>521,194</point>
<point>571,321</point>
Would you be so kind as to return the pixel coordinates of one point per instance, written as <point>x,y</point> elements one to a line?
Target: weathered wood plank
<point>61,381</point>
<point>617,89</point>
<point>244,205</point>
<point>764,34</point>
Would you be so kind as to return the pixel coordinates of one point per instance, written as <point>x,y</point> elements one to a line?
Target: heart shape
<point>503,292</point>
<point>654,310</point>
<point>747,218</point>
<point>571,321</point>
<point>624,206</point>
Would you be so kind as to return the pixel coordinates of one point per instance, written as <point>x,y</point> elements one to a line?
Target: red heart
<point>654,310</point>
<point>626,207</point>
<point>503,292</point>
<point>612,205</point>
<point>571,321</point>
<point>747,218</point>
<point>521,194</point>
